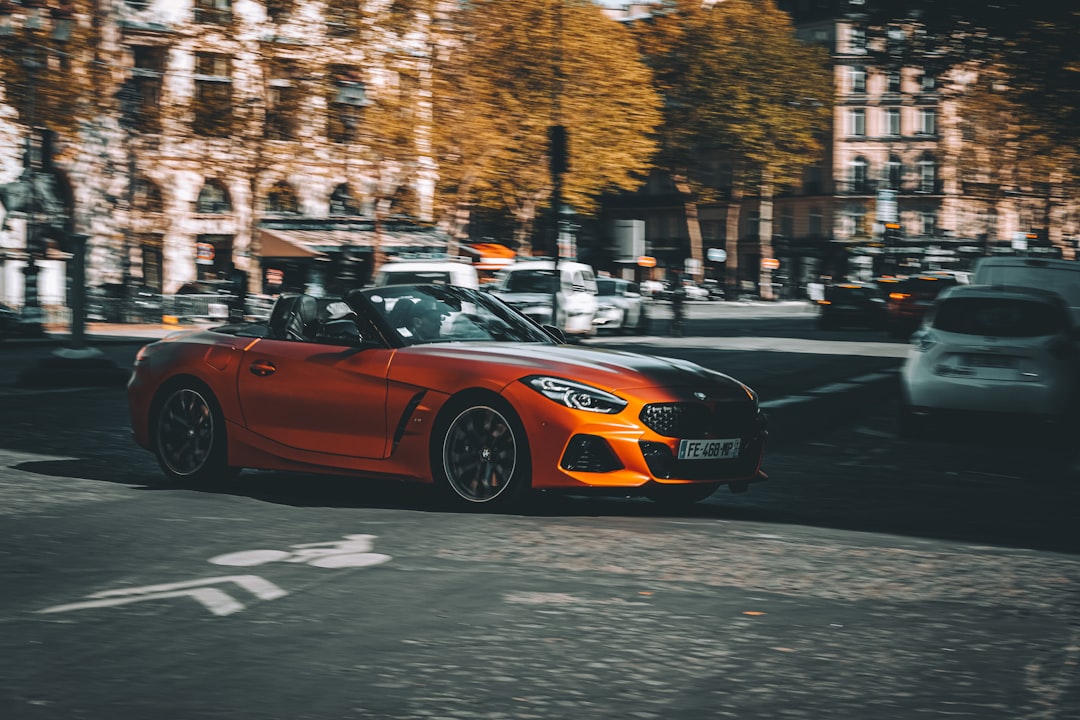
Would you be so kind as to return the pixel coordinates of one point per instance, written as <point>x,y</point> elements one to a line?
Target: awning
<point>315,243</point>
<point>273,244</point>
<point>490,256</point>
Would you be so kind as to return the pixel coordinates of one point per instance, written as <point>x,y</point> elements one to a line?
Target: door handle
<point>262,368</point>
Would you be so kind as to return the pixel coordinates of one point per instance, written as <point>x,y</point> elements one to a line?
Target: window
<point>892,121</point>
<point>894,173</point>
<point>814,223</point>
<point>342,17</point>
<point>348,97</point>
<point>892,81</point>
<point>927,175</point>
<point>857,79</point>
<point>342,201</point>
<point>855,222</point>
<point>213,199</point>
<point>282,199</point>
<point>213,12</point>
<point>213,94</point>
<point>858,172</point>
<point>282,101</point>
<point>857,41</point>
<point>928,83</point>
<point>148,69</point>
<point>857,122</point>
<point>927,121</point>
<point>787,224</point>
<point>278,10</point>
<point>147,196</point>
<point>929,224</point>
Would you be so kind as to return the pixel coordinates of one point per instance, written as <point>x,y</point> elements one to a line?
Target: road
<point>871,576</point>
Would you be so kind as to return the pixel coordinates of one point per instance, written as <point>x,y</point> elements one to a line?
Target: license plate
<point>989,361</point>
<point>709,449</point>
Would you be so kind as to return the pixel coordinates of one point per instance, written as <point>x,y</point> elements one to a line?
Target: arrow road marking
<point>215,600</point>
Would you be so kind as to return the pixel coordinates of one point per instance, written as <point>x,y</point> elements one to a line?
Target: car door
<point>317,397</point>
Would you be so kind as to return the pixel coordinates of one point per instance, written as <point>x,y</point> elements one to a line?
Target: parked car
<point>528,285</point>
<point>851,304</point>
<point>912,297</point>
<point>451,387</point>
<point>994,350</point>
<point>620,306</point>
<point>693,291</point>
<point>715,288</point>
<point>442,272</point>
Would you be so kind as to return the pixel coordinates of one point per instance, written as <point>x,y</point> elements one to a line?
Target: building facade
<point>228,129</point>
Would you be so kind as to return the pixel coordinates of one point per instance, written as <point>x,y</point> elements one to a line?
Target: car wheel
<point>674,496</point>
<point>189,435</point>
<point>481,455</point>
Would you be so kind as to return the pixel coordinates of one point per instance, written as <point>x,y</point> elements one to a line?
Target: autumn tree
<point>742,93</point>
<point>510,71</point>
<point>1008,161</point>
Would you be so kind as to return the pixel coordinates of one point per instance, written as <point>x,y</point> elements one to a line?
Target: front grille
<point>686,420</point>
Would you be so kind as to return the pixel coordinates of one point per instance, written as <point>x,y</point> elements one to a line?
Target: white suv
<point>527,285</point>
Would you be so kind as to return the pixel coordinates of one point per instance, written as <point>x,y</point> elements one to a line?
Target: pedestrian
<point>678,297</point>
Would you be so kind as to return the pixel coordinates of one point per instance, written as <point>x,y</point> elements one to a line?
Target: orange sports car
<point>440,384</point>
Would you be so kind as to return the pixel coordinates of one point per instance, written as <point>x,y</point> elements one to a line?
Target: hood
<point>606,369</point>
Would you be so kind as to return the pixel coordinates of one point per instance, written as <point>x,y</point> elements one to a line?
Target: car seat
<point>293,317</point>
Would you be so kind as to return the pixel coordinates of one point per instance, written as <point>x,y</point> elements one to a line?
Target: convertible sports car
<point>440,384</point>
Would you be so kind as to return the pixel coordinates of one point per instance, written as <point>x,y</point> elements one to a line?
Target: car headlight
<point>575,395</point>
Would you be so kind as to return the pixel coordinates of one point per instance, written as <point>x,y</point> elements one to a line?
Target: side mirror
<point>555,333</point>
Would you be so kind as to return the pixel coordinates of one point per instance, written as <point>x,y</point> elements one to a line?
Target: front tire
<point>480,455</point>
<point>190,442</point>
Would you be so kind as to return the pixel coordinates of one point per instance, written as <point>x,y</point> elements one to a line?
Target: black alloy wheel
<point>483,455</point>
<point>189,436</point>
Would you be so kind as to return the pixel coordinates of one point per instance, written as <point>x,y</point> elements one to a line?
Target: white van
<point>527,285</point>
<point>439,272</point>
<point>1058,276</point>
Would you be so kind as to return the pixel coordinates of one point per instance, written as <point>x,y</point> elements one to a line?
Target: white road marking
<point>216,601</point>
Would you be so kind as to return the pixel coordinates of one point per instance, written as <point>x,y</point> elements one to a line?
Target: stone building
<point>230,139</point>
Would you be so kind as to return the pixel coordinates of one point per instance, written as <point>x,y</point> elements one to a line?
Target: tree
<point>512,70</point>
<point>1008,162</point>
<point>743,92</point>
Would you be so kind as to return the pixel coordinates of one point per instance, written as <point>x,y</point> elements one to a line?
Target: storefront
<point>332,257</point>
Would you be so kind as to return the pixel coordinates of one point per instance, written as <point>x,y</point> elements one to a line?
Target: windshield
<point>1000,317</point>
<point>606,286</point>
<point>418,314</point>
<point>530,281</point>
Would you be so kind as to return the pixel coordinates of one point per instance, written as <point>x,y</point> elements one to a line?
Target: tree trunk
<point>731,244</point>
<point>693,226</point>
<point>765,233</point>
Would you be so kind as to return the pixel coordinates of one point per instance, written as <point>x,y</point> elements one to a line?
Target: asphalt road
<point>871,576</point>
